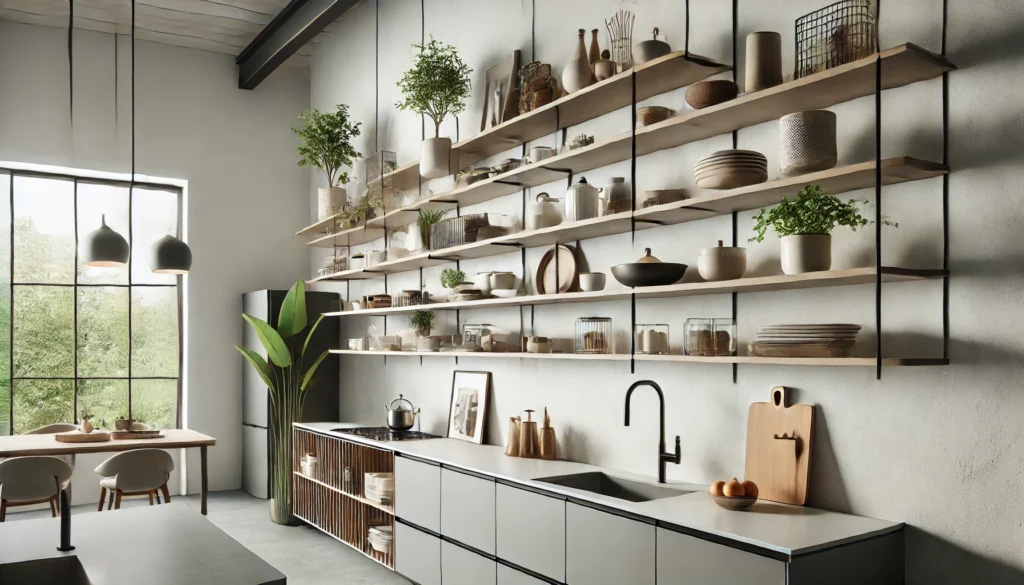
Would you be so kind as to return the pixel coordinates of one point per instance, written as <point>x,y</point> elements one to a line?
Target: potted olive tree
<point>437,85</point>
<point>421,321</point>
<point>805,226</point>
<point>327,145</point>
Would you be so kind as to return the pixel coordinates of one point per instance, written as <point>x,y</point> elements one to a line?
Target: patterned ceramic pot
<point>808,142</point>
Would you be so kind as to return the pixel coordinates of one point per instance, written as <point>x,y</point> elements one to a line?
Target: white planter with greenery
<point>436,86</point>
<point>805,224</point>
<point>327,145</point>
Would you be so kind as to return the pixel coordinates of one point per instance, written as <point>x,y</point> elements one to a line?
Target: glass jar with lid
<point>594,335</point>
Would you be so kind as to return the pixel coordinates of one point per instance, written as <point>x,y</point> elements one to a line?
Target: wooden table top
<point>22,445</point>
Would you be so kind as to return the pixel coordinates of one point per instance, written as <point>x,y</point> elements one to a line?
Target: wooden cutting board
<point>80,437</point>
<point>779,445</point>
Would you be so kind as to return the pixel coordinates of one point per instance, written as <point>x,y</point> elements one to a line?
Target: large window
<point>75,339</point>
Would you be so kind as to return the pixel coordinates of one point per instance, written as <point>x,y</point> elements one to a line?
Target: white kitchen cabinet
<point>463,567</point>
<point>531,531</point>
<point>417,555</point>
<point>418,493</point>
<point>686,560</point>
<point>605,549</point>
<point>510,576</point>
<point>467,509</point>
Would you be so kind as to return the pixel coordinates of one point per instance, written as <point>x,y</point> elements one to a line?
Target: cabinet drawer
<point>467,509</point>
<point>462,567</point>
<point>417,555</point>
<point>418,493</point>
<point>531,531</point>
<point>604,549</point>
<point>510,576</point>
<point>685,560</point>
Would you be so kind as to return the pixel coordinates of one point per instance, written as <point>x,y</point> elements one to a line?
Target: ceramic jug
<point>577,74</point>
<point>582,201</point>
<point>544,213</point>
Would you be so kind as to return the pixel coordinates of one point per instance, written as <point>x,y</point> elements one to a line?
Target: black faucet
<point>65,522</point>
<point>663,456</point>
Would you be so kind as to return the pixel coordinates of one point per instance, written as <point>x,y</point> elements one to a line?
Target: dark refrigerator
<point>322,397</point>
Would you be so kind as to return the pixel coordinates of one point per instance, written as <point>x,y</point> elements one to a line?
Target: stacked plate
<point>729,169</point>
<point>379,487</point>
<point>380,538</point>
<point>818,340</point>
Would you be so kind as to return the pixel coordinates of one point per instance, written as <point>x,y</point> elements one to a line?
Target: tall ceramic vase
<point>434,157</point>
<point>330,201</point>
<point>577,74</point>
<point>283,412</point>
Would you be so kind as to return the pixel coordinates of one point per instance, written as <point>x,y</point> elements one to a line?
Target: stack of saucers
<point>379,487</point>
<point>818,340</point>
<point>729,169</point>
<point>380,538</point>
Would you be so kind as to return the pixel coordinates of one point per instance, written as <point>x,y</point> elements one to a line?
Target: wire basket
<point>835,35</point>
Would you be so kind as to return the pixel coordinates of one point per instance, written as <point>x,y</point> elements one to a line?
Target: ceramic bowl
<point>123,424</point>
<point>502,280</point>
<point>648,115</point>
<point>505,293</point>
<point>716,168</point>
<point>735,503</point>
<point>604,69</point>
<point>648,274</point>
<point>592,281</point>
<point>722,263</point>
<point>732,180</point>
<point>650,50</point>
<point>704,94</point>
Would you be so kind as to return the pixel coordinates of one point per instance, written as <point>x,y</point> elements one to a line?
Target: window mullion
<point>74,389</point>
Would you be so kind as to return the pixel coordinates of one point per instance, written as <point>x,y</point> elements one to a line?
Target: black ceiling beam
<point>290,30</point>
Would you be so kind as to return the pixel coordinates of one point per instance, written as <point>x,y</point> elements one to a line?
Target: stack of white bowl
<point>379,487</point>
<point>380,538</point>
<point>729,169</point>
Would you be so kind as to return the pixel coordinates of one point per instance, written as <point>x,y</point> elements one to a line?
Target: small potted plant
<point>86,425</point>
<point>451,278</point>
<point>436,86</point>
<point>421,322</point>
<point>424,223</point>
<point>327,145</point>
<point>805,226</point>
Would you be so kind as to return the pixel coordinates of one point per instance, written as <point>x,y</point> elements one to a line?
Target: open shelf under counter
<point>847,277</point>
<point>386,509</point>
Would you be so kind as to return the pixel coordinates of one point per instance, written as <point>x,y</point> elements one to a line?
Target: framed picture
<point>501,92</point>
<point>468,412</point>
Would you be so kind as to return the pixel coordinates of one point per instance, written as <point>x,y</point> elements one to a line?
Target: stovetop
<point>385,434</point>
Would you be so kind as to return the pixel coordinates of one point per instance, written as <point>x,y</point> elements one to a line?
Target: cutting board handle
<point>780,397</point>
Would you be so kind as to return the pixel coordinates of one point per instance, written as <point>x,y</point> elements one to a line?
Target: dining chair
<point>143,472</point>
<point>32,480</point>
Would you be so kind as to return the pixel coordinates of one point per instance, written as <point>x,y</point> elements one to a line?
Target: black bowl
<point>648,274</point>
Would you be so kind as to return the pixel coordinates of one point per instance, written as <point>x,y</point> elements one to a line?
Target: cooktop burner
<point>386,434</point>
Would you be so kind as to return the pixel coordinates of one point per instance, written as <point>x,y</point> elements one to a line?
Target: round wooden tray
<point>80,437</point>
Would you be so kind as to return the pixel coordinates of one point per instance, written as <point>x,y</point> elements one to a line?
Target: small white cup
<point>592,281</point>
<point>539,153</point>
<point>356,306</point>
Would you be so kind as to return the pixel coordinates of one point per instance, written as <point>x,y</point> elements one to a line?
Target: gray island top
<point>170,544</point>
<point>779,528</point>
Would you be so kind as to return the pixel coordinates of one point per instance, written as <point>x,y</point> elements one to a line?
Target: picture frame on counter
<point>501,95</point>
<point>467,413</point>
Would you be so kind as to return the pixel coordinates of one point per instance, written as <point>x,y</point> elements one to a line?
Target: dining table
<point>47,444</point>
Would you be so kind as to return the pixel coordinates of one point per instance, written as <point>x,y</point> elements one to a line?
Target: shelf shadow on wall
<point>936,561</point>
<point>825,484</point>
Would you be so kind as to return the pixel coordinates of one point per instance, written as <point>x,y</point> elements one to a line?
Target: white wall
<point>939,448</point>
<point>245,192</point>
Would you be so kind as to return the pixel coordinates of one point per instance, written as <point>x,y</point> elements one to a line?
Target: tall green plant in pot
<point>327,145</point>
<point>436,86</point>
<point>288,375</point>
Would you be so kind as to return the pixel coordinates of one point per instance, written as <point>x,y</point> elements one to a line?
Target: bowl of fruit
<point>734,494</point>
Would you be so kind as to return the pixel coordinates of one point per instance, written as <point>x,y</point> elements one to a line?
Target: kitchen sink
<point>64,570</point>
<point>615,487</point>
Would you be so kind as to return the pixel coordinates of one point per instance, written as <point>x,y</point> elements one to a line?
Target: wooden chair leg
<point>53,508</point>
<point>156,493</point>
<point>117,499</point>
<point>167,493</point>
<point>110,501</point>
<point>3,510</point>
<point>150,494</point>
<point>103,498</point>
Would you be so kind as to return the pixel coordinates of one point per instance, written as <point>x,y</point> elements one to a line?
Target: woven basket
<point>808,142</point>
<point>653,114</point>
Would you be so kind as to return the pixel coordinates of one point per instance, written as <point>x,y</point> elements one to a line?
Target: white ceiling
<point>222,26</point>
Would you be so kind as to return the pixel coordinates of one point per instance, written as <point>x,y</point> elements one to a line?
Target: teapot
<point>582,201</point>
<point>401,418</point>
<point>544,213</point>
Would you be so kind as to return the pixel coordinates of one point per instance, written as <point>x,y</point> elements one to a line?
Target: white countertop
<point>780,528</point>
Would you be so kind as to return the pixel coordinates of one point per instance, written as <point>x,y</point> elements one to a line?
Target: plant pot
<point>434,154</point>
<point>423,332</point>
<point>282,415</point>
<point>808,142</point>
<point>806,253</point>
<point>330,201</point>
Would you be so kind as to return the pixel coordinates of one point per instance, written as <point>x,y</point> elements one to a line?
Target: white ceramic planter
<point>330,201</point>
<point>434,155</point>
<point>806,253</point>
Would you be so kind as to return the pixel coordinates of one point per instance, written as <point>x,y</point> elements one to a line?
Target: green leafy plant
<point>421,322</point>
<point>451,278</point>
<point>327,142</point>
<point>427,218</point>
<point>812,212</point>
<point>438,83</point>
<point>288,377</point>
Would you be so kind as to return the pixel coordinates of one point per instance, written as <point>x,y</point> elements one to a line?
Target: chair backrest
<point>52,429</point>
<point>139,470</point>
<point>30,479</point>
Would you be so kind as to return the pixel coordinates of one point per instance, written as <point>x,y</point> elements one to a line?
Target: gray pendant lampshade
<point>169,255</point>
<point>103,247</point>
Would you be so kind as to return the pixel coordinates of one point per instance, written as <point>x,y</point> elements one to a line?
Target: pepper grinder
<point>528,437</point>
<point>512,448</point>
<point>548,446</point>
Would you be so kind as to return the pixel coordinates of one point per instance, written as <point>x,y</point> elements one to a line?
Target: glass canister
<point>618,196</point>
<point>472,334</point>
<point>651,339</point>
<point>710,337</point>
<point>594,335</point>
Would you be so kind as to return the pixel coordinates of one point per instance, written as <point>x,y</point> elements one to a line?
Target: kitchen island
<point>168,544</point>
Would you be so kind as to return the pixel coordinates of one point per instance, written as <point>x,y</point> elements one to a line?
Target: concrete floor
<point>305,555</point>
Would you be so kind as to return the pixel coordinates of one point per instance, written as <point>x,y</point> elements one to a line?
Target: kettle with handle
<point>582,201</point>
<point>401,418</point>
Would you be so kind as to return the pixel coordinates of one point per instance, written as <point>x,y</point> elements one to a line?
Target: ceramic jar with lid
<point>722,263</point>
<point>544,213</point>
<point>618,196</point>
<point>582,201</point>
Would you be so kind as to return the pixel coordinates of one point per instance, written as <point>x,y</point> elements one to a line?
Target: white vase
<point>577,73</point>
<point>434,155</point>
<point>330,201</point>
<point>806,253</point>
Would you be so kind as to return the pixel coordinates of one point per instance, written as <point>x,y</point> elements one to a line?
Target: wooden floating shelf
<point>350,237</point>
<point>902,65</point>
<point>835,181</point>
<point>625,357</point>
<point>849,277</point>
